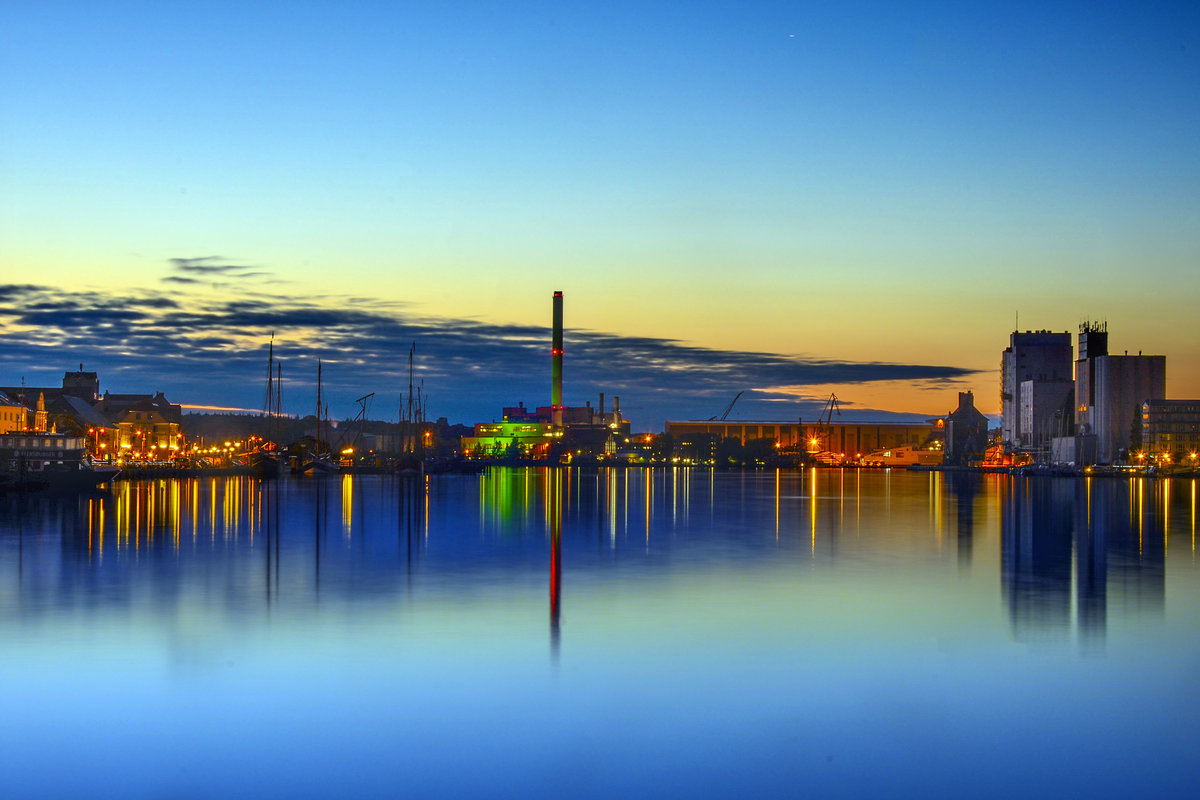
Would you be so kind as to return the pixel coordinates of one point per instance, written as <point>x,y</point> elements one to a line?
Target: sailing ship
<point>264,457</point>
<point>316,459</point>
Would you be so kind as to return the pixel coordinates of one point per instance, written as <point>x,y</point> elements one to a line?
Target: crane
<point>824,423</point>
<point>729,407</point>
<point>360,418</point>
<point>831,405</point>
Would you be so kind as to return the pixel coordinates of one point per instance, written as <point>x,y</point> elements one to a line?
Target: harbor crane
<point>729,407</point>
<point>360,419</point>
<point>825,423</point>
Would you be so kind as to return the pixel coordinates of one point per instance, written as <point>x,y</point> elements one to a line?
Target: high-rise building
<point>1038,356</point>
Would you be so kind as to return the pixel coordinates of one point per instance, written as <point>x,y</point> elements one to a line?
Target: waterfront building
<point>695,448</point>
<point>12,414</point>
<point>111,425</point>
<point>1123,384</point>
<point>147,425</point>
<point>1046,414</point>
<point>533,433</point>
<point>516,439</point>
<point>1171,428</point>
<point>1037,356</point>
<point>30,451</point>
<point>848,439</point>
<point>1110,391</point>
<point>966,432</point>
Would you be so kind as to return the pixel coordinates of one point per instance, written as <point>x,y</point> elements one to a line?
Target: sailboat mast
<point>279,389</point>
<point>270,375</point>
<point>408,433</point>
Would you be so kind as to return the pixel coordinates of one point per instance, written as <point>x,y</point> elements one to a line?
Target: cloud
<point>214,267</point>
<point>214,352</point>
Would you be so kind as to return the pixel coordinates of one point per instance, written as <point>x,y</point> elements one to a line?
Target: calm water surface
<point>554,632</point>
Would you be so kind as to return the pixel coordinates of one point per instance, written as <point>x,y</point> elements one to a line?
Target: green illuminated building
<point>517,439</point>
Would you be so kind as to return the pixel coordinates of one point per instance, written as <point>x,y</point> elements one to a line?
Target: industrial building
<point>554,431</point>
<point>1032,360</point>
<point>1080,418</point>
<point>1046,414</point>
<point>847,439</point>
<point>1123,384</point>
<point>1110,391</point>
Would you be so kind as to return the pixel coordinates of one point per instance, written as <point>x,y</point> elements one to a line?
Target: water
<point>540,632</point>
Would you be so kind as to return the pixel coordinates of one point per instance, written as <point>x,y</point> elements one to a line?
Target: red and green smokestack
<point>556,354</point>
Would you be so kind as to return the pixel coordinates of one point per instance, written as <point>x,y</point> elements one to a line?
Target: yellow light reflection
<point>1141,491</point>
<point>612,509</point>
<point>347,505</point>
<point>648,478</point>
<point>777,471</point>
<point>1166,513</point>
<point>1193,518</point>
<point>812,508</point>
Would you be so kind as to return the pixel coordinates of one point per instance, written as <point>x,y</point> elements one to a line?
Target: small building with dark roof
<point>966,432</point>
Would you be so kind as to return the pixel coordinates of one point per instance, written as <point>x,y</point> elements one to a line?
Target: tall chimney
<point>556,356</point>
<point>602,407</point>
<point>617,409</point>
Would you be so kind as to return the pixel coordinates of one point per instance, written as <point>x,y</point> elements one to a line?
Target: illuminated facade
<point>148,426</point>
<point>1171,427</point>
<point>12,414</point>
<point>510,439</point>
<point>140,425</point>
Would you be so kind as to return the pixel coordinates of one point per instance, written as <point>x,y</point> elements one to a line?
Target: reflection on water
<point>1095,539</point>
<point>1068,549</point>
<point>660,593</point>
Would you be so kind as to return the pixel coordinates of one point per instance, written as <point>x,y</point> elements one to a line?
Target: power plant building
<point>554,430</point>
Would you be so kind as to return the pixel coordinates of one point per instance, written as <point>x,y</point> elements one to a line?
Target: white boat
<point>905,455</point>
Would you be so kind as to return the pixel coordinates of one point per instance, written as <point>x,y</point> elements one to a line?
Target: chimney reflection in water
<point>554,499</point>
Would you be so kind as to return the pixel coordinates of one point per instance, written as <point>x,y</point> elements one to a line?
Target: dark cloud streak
<point>214,352</point>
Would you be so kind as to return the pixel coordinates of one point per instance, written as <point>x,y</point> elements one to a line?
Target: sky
<point>785,199</point>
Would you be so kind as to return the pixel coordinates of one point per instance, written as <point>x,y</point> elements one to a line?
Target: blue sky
<point>848,182</point>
